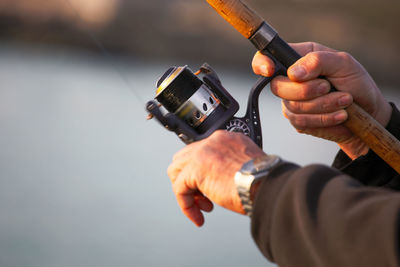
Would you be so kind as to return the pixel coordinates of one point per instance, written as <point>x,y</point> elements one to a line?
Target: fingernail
<point>345,100</point>
<point>324,88</point>
<point>264,71</point>
<point>341,117</point>
<point>298,71</point>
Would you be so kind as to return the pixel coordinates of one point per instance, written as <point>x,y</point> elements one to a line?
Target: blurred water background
<point>82,173</point>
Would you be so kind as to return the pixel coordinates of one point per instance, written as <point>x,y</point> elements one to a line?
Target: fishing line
<point>106,54</point>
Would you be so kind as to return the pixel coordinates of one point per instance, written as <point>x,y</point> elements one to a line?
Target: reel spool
<point>184,94</point>
<point>195,105</point>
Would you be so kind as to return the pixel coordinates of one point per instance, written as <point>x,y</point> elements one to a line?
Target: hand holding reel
<point>195,105</point>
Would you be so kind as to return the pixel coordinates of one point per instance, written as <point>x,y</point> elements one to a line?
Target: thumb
<point>323,63</point>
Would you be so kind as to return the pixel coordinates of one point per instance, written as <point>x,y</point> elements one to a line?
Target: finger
<point>325,104</point>
<point>286,89</point>
<point>186,201</point>
<point>325,63</point>
<point>204,203</point>
<point>305,121</point>
<point>308,47</point>
<point>263,65</point>
<point>193,212</point>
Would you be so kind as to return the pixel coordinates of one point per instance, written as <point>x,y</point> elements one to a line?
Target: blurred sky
<point>191,29</point>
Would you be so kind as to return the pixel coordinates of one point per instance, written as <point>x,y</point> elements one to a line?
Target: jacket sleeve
<point>317,216</point>
<point>322,216</point>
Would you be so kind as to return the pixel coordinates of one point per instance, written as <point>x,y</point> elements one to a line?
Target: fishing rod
<point>265,39</point>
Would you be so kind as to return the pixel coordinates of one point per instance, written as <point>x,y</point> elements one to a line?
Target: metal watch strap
<point>247,203</point>
<point>252,172</point>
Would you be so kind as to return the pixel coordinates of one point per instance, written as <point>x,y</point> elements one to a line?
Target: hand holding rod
<point>266,39</point>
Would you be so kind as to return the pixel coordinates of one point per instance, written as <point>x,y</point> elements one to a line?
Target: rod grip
<point>383,143</point>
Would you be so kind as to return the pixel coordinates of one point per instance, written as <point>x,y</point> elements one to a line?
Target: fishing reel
<point>194,105</point>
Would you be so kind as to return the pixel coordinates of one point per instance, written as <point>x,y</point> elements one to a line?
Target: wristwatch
<point>249,177</point>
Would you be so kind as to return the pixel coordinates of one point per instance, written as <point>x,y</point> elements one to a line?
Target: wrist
<point>250,176</point>
<point>354,148</point>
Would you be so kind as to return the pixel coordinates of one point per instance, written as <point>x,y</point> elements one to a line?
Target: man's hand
<point>203,173</point>
<point>306,100</point>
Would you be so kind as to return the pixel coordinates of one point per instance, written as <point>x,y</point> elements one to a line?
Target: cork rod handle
<point>245,20</point>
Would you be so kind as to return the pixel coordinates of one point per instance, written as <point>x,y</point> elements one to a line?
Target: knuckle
<point>314,59</point>
<point>325,120</point>
<point>309,44</point>
<point>312,46</point>
<point>298,121</point>
<point>221,137</point>
<point>322,120</point>
<point>319,47</point>
<point>171,172</point>
<point>294,106</point>
<point>218,135</point>
<point>345,56</point>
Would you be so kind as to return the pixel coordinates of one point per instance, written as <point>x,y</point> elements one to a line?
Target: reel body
<point>195,105</point>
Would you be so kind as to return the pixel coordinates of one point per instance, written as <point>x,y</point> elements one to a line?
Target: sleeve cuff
<point>370,169</point>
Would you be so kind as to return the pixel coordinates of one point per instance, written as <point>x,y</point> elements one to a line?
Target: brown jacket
<point>323,216</point>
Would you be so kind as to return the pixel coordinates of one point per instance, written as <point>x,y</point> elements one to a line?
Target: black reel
<point>195,105</point>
